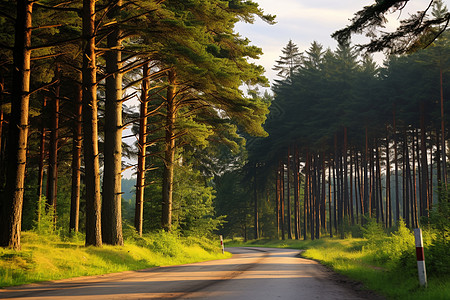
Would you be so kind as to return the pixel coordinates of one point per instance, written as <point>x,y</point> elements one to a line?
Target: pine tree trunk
<point>41,162</point>
<point>142,150</point>
<point>255,199</point>
<point>438,165</point>
<point>345,165</point>
<point>424,164</point>
<point>90,128</point>
<point>11,220</point>
<point>388,183</point>
<point>76,161</point>
<point>277,185</point>
<point>288,194</point>
<point>366,207</point>
<point>112,175</point>
<point>296,194</point>
<point>443,153</point>
<point>323,221</point>
<point>358,189</point>
<point>2,90</point>
<point>352,218</point>
<point>169,154</point>
<point>380,187</point>
<point>397,197</point>
<point>406,176</point>
<point>282,212</point>
<point>52,173</point>
<point>414,199</point>
<point>330,220</point>
<point>306,198</point>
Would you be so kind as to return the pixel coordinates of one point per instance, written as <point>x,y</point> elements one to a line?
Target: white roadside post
<point>420,257</point>
<point>221,244</point>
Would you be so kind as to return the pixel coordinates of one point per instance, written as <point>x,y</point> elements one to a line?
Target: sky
<point>305,21</point>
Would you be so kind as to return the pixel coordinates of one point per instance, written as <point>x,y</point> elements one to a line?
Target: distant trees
<point>352,140</point>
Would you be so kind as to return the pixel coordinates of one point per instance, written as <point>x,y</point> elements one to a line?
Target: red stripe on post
<point>419,253</point>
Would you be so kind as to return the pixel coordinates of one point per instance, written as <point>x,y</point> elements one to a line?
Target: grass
<point>394,277</point>
<point>49,257</point>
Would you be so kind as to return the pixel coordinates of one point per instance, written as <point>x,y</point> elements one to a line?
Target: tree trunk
<point>142,150</point>
<point>330,222</point>
<point>52,173</point>
<point>415,147</point>
<point>388,183</point>
<point>397,198</point>
<point>112,175</point>
<point>41,162</point>
<point>352,218</point>
<point>380,187</point>
<point>11,221</point>
<point>424,164</point>
<point>366,207</point>
<point>169,154</point>
<point>296,194</point>
<point>306,197</point>
<point>444,154</point>
<point>406,175</point>
<point>90,128</point>
<point>255,199</point>
<point>323,221</point>
<point>345,165</point>
<point>76,161</point>
<point>2,90</point>
<point>277,184</point>
<point>288,198</point>
<point>438,165</point>
<point>282,207</point>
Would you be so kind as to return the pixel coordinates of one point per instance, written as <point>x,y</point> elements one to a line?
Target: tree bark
<point>76,161</point>
<point>2,90</point>
<point>424,164</point>
<point>255,199</point>
<point>296,194</point>
<point>90,128</point>
<point>41,163</point>
<point>52,173</point>
<point>169,154</point>
<point>397,198</point>
<point>142,150</point>
<point>443,153</point>
<point>288,198</point>
<point>306,197</point>
<point>277,183</point>
<point>388,183</point>
<point>11,221</point>
<point>112,175</point>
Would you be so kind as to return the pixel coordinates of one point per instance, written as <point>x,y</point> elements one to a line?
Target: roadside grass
<point>50,257</point>
<point>387,265</point>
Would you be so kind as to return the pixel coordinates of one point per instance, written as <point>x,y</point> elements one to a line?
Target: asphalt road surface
<point>252,273</point>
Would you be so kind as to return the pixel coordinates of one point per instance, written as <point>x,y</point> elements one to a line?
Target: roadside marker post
<point>420,257</point>
<point>221,244</point>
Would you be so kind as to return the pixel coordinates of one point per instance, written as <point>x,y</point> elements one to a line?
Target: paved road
<point>252,273</point>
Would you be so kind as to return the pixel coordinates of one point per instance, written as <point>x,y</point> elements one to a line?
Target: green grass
<point>375,265</point>
<point>50,257</point>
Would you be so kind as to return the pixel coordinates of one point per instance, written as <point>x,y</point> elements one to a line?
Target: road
<point>252,273</point>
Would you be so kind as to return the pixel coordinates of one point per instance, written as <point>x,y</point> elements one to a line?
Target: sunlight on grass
<point>49,258</point>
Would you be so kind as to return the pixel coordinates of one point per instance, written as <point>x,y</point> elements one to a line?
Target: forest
<point>349,142</point>
<point>340,141</point>
<point>78,77</point>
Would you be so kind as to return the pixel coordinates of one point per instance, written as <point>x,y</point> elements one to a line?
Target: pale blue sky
<point>305,21</point>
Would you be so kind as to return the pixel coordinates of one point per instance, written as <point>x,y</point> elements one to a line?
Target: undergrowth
<point>51,256</point>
